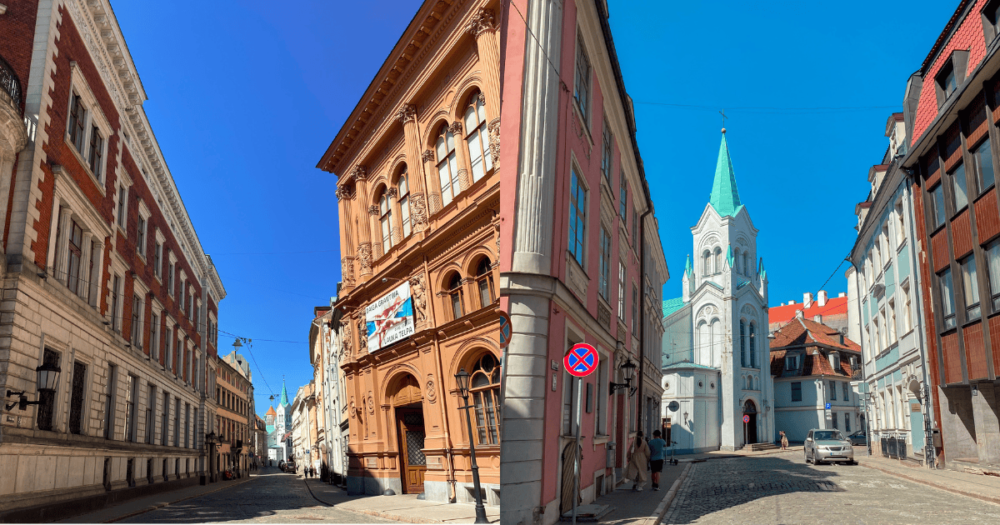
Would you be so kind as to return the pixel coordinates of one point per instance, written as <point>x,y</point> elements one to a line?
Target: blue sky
<point>244,97</point>
<point>800,172</point>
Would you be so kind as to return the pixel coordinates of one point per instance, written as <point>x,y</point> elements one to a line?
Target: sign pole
<point>581,360</point>
<point>577,465</point>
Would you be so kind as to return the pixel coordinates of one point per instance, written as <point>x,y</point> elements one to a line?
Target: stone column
<point>414,168</point>
<point>360,175</point>
<point>526,360</point>
<point>84,284</point>
<point>376,226</point>
<point>346,237</point>
<point>462,155</point>
<point>396,229</point>
<point>484,29</point>
<point>434,182</point>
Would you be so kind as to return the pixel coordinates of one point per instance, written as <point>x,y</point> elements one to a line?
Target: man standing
<point>657,452</point>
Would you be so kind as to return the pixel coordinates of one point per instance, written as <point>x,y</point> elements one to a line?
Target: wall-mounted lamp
<point>48,377</point>
<point>628,374</point>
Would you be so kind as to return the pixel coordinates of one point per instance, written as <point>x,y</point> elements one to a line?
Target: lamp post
<point>868,422</point>
<point>463,384</point>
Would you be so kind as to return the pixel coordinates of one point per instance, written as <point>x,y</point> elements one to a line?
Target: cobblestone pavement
<point>274,497</point>
<point>784,489</point>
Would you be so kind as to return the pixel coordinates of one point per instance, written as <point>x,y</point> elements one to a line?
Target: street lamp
<point>628,373</point>
<point>462,377</point>
<point>47,378</point>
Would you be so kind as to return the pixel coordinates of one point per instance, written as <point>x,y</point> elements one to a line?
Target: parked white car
<point>827,445</point>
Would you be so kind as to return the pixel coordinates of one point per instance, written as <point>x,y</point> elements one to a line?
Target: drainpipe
<point>642,309</point>
<point>861,343</point>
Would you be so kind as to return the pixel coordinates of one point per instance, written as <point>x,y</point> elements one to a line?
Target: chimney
<point>807,299</point>
<point>782,304</point>
<point>821,300</point>
<point>799,314</point>
<point>841,294</point>
<point>791,302</point>
<point>818,319</point>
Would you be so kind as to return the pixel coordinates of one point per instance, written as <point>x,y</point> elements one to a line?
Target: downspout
<point>864,380</point>
<point>642,310</point>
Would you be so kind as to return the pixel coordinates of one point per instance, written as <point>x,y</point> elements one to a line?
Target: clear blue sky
<point>799,172</point>
<point>244,97</point>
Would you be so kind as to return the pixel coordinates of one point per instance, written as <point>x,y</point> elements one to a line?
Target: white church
<point>715,348</point>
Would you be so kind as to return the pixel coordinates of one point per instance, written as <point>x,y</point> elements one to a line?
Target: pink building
<point>581,259</point>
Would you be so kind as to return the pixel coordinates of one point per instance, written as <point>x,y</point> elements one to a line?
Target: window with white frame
<point>123,207</point>
<point>170,272</point>
<point>168,342</point>
<point>86,127</point>
<point>404,203</point>
<point>136,327</point>
<point>141,237</point>
<point>900,223</point>
<point>447,164</point>
<point>891,320</point>
<point>477,137</point>
<point>577,217</point>
<point>158,258</point>
<point>116,303</point>
<point>970,283</point>
<point>604,270</point>
<point>907,319</point>
<point>385,221</point>
<point>581,84</point>
<point>154,342</point>
<point>621,291</point>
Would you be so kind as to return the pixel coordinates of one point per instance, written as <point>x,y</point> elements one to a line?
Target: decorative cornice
<point>482,21</point>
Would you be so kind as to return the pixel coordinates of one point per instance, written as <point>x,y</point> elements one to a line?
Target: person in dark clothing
<point>657,453</point>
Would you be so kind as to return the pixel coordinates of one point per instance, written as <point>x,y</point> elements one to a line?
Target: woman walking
<point>784,440</point>
<point>636,470</point>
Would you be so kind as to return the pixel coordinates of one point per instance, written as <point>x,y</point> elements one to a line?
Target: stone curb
<point>661,509</point>
<point>981,497</point>
<point>397,517</point>
<point>161,505</point>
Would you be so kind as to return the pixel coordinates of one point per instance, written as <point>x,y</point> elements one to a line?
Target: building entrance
<point>750,427</point>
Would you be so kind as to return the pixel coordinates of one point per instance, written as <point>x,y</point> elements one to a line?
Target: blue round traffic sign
<point>581,360</point>
<point>505,329</point>
<point>746,418</point>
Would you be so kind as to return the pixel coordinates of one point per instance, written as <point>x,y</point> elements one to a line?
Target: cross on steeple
<point>724,117</point>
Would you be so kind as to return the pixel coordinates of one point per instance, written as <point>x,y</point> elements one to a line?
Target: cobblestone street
<point>274,497</point>
<point>784,489</point>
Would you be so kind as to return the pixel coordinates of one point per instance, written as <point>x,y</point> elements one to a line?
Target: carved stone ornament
<point>431,391</point>
<point>456,127</point>
<point>482,21</point>
<point>494,128</point>
<point>365,258</point>
<point>373,210</point>
<point>407,113</point>
<point>418,212</point>
<point>347,270</point>
<point>348,340</point>
<point>371,403</point>
<point>427,155</point>
<point>360,172</point>
<point>343,194</point>
<point>418,291</point>
<point>354,408</point>
<point>391,193</point>
<point>362,336</point>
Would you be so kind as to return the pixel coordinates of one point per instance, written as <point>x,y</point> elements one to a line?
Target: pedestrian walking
<point>657,453</point>
<point>784,441</point>
<point>636,470</point>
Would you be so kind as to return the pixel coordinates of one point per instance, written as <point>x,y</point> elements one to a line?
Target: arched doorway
<point>407,403</point>
<point>750,425</point>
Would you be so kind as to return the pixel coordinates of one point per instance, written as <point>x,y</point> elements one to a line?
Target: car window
<point>828,435</point>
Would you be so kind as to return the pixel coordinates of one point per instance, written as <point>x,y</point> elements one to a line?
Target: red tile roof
<point>806,333</point>
<point>783,314</point>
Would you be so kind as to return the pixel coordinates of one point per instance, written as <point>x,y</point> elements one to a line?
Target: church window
<point>743,343</point>
<point>707,257</point>
<point>749,383</point>
<point>746,264</point>
<point>577,217</point>
<point>736,261</point>
<point>718,260</point>
<point>753,345</point>
<point>604,268</point>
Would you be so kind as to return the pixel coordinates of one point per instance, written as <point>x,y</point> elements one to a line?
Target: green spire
<point>761,271</point>
<point>284,395</point>
<point>725,197</point>
<point>729,256</point>
<point>688,270</point>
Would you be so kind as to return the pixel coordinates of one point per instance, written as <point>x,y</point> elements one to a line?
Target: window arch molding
<point>468,87</point>
<point>400,182</point>
<point>452,294</point>
<point>483,367</point>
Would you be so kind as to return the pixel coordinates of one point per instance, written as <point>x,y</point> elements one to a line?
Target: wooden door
<point>413,464</point>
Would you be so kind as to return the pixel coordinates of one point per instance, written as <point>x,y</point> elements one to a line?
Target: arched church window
<point>707,257</point>
<point>447,164</point>
<point>753,346</point>
<point>485,388</point>
<point>747,269</point>
<point>743,343</point>
<point>736,261</point>
<point>718,260</point>
<point>477,139</point>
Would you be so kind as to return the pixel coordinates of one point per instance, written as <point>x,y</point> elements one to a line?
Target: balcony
<point>10,86</point>
<point>13,131</point>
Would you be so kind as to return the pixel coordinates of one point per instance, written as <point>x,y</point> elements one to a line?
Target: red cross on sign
<point>581,360</point>
<point>746,418</point>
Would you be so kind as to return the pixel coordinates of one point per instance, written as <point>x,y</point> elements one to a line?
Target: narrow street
<point>273,497</point>
<point>782,488</point>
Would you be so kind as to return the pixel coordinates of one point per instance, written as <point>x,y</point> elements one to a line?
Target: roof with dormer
<point>725,197</point>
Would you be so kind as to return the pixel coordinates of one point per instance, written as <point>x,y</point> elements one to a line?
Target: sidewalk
<point>985,488</point>
<point>405,507</point>
<point>136,506</point>
<point>626,507</point>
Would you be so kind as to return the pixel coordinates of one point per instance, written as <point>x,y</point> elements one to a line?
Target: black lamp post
<point>628,373</point>
<point>48,378</point>
<point>463,385</point>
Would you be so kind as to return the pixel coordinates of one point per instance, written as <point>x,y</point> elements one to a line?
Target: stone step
<point>757,447</point>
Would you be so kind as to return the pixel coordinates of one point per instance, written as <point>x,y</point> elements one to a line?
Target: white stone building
<point>715,355</point>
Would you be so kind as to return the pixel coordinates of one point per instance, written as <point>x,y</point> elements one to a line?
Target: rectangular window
<point>607,155</point>
<point>577,217</point>
<point>623,199</point>
<point>796,391</point>
<point>847,391</point>
<point>605,265</point>
<point>970,283</point>
<point>167,343</point>
<point>900,225</point>
<point>947,299</point>
<point>136,324</point>
<point>130,385</point>
<point>187,425</point>
<point>581,86</point>
<point>109,407</point>
<point>621,291</point>
<point>75,257</point>
<point>150,421</point>
<point>993,260</point>
<point>140,236</point>
<point>158,260</point>
<point>847,423</point>
<point>937,206</point>
<point>47,398</point>
<point>961,193</point>
<point>635,228</point>
<point>164,419</point>
<point>177,423</point>
<point>116,292</point>
<point>122,207</point>
<point>907,318</point>
<point>77,115</point>
<point>635,310</point>
<point>170,276</point>
<point>891,321</point>
<point>833,391</point>
<point>76,398</point>
<point>983,157</point>
<point>154,342</point>
<point>947,80</point>
<point>96,152</point>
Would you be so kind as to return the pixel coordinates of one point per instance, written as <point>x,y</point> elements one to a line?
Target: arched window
<point>749,383</point>
<point>385,220</point>
<point>743,343</point>
<point>707,257</point>
<point>476,137</point>
<point>404,202</point>
<point>718,260</point>
<point>484,386</point>
<point>484,281</point>
<point>455,296</point>
<point>753,346</point>
<point>747,269</point>
<point>736,261</point>
<point>447,164</point>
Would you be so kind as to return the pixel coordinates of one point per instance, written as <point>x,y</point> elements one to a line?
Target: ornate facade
<point>418,207</point>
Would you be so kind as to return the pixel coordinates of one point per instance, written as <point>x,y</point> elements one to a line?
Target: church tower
<point>716,333</point>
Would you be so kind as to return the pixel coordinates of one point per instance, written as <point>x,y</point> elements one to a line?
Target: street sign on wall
<point>390,318</point>
<point>581,360</point>
<point>505,329</point>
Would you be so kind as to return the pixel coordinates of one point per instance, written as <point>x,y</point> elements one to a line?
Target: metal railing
<point>10,86</point>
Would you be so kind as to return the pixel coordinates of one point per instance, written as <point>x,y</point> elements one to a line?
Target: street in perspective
<point>403,261</point>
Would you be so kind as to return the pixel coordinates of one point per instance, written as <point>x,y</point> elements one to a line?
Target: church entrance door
<point>411,438</point>
<point>750,427</point>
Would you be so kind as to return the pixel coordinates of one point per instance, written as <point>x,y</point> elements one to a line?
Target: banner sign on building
<point>390,318</point>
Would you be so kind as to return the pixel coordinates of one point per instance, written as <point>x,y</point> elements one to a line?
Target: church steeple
<point>284,395</point>
<point>725,197</point>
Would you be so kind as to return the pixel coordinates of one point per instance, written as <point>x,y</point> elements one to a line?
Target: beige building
<point>235,413</point>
